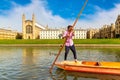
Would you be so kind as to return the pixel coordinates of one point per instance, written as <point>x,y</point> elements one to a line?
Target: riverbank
<point>61,41</point>
<point>58,42</point>
<point>58,45</point>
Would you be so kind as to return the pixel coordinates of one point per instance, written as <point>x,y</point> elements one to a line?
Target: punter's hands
<point>68,35</point>
<point>73,32</point>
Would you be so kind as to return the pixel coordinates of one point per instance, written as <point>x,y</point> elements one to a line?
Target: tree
<point>18,36</point>
<point>60,36</point>
<point>117,35</point>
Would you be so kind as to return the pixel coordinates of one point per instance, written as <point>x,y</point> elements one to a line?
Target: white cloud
<point>101,17</point>
<point>45,16</point>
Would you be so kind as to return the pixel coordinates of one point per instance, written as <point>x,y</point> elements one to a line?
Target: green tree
<point>18,36</point>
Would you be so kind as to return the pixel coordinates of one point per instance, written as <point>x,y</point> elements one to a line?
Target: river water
<point>33,63</point>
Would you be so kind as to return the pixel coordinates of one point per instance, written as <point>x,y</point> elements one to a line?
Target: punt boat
<point>90,66</point>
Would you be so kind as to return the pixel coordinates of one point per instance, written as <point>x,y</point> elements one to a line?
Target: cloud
<point>100,18</point>
<point>45,17</point>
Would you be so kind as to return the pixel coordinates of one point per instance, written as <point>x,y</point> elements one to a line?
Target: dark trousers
<point>72,48</point>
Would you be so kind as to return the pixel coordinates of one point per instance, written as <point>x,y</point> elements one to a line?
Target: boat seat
<point>90,63</point>
<point>97,64</point>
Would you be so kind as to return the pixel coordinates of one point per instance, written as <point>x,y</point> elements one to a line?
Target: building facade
<point>117,27</point>
<point>30,28</point>
<point>57,34</point>
<point>107,31</point>
<point>93,33</point>
<point>7,34</point>
<point>51,34</point>
<point>80,34</point>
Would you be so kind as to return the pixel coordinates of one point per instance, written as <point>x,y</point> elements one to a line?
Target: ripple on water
<point>31,63</point>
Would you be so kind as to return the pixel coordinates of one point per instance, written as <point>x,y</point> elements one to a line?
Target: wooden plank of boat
<point>90,66</point>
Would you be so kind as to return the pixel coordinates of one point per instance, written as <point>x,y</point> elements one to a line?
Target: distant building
<point>117,27</point>
<point>57,34</point>
<point>51,34</point>
<point>30,28</point>
<point>7,34</point>
<point>93,33</point>
<point>107,31</point>
<point>80,34</point>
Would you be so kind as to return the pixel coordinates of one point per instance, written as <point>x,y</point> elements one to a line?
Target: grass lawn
<point>60,41</point>
<point>97,41</point>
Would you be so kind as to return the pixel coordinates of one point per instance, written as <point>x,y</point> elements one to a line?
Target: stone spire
<point>23,25</point>
<point>33,17</point>
<point>33,25</point>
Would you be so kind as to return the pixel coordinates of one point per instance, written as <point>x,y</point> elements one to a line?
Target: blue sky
<point>7,4</point>
<point>70,8</point>
<point>59,13</point>
<point>65,8</point>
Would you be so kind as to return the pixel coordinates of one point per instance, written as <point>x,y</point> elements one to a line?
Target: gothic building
<point>30,28</point>
<point>107,31</point>
<point>117,27</point>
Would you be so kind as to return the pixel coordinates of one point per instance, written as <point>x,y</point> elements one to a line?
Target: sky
<point>58,13</point>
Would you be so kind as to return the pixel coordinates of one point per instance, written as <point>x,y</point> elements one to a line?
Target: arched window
<point>29,29</point>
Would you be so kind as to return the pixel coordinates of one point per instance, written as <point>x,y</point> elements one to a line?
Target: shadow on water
<point>68,75</point>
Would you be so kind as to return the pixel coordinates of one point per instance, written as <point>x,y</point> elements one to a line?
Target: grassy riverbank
<point>60,41</point>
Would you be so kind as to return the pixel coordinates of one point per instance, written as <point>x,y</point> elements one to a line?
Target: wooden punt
<point>90,66</point>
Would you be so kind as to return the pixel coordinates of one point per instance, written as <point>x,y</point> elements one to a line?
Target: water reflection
<point>28,56</point>
<point>99,54</point>
<point>33,63</point>
<point>29,66</point>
